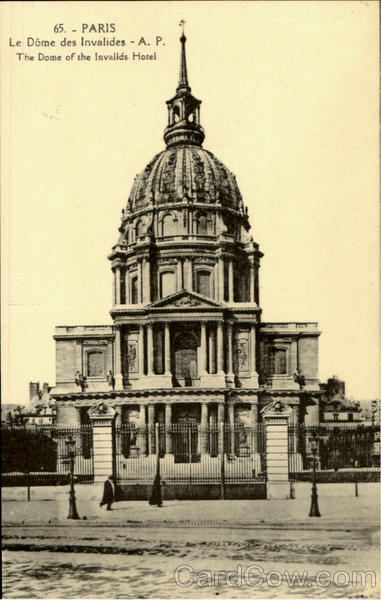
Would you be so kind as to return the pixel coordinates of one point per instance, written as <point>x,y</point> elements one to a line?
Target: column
<point>231,281</point>
<point>127,286</point>
<point>253,366</point>
<point>179,276</point>
<point>204,428</point>
<point>146,280</point>
<point>114,286</point>
<point>254,425</point>
<point>150,370</point>
<point>167,350</point>
<point>256,284</point>
<point>188,284</point>
<point>102,442</point>
<point>276,417</point>
<point>230,350</point>
<point>141,349</point>
<point>252,282</point>
<point>140,281</point>
<point>220,421</point>
<point>168,428</point>
<point>118,361</point>
<point>212,351</point>
<point>117,284</point>
<point>151,429</point>
<point>220,348</point>
<point>142,430</point>
<point>221,287</point>
<point>203,356</point>
<point>231,429</point>
<point>294,357</point>
<point>220,413</point>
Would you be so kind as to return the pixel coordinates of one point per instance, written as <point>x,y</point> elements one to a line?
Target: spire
<point>183,78</point>
<point>183,109</point>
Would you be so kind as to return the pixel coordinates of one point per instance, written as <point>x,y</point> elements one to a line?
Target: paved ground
<point>338,505</point>
<point>135,550</point>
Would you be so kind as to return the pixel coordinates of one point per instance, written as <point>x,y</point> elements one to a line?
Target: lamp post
<point>70,447</point>
<point>314,510</point>
<point>156,497</point>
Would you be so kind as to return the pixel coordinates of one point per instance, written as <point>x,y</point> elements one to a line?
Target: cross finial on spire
<point>183,79</point>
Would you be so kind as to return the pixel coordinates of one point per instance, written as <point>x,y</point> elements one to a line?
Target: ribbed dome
<point>185,173</point>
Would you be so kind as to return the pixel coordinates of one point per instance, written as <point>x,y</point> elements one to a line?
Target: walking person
<point>108,493</point>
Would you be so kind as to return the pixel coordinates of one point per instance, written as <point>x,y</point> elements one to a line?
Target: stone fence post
<point>102,418</point>
<point>276,417</point>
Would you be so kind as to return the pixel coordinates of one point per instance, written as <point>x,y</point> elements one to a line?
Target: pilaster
<point>276,418</point>
<point>102,417</point>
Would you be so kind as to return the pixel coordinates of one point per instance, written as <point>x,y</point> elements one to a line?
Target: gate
<point>194,461</point>
<point>343,454</point>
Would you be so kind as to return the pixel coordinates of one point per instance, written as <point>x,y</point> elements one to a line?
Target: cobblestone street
<point>134,550</point>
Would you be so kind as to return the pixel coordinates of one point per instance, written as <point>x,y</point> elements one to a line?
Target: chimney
<point>45,388</point>
<point>34,388</point>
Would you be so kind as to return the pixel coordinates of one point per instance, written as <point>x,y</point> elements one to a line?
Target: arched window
<point>167,283</point>
<point>202,224</point>
<point>95,364</point>
<point>176,113</point>
<point>168,224</point>
<point>203,283</point>
<point>134,290</point>
<point>139,228</point>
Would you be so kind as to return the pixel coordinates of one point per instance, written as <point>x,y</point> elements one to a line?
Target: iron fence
<point>342,453</point>
<point>190,453</point>
<point>38,455</point>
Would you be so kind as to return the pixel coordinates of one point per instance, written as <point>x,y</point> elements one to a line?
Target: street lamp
<point>314,510</point>
<point>156,497</point>
<point>70,447</point>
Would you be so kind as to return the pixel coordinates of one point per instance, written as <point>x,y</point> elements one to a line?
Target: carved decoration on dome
<point>168,177</point>
<point>142,183</point>
<point>198,176</point>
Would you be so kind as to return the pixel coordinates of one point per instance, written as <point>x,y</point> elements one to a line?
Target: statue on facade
<point>81,380</point>
<point>299,378</point>
<point>111,379</point>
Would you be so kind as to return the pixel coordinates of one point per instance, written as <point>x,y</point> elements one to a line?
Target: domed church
<point>187,344</point>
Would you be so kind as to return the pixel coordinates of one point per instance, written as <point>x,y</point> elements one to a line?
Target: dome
<point>187,172</point>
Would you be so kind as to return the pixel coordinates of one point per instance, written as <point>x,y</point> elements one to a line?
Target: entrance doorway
<point>185,358</point>
<point>185,440</point>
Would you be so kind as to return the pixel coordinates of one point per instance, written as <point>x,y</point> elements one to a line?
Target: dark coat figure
<point>108,493</point>
<point>156,492</point>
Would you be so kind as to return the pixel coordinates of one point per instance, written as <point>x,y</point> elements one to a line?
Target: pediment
<point>184,300</point>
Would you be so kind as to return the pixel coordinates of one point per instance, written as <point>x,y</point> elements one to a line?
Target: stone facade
<point>187,343</point>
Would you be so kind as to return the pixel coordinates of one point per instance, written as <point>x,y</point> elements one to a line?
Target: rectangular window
<point>134,290</point>
<point>203,283</point>
<point>167,283</point>
<point>95,364</point>
<point>278,361</point>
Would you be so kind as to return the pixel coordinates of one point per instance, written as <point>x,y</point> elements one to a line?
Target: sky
<point>289,96</point>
